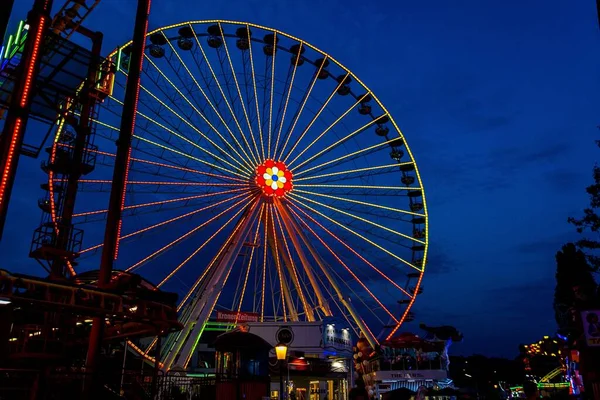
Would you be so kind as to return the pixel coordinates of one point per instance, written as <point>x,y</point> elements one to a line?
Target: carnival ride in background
<point>407,352</point>
<point>262,176</point>
<point>551,364</point>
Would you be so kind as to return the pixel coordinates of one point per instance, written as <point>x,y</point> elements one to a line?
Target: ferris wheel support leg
<point>184,348</point>
<point>11,139</point>
<point>345,301</point>
<point>288,263</point>
<point>285,217</point>
<point>293,314</point>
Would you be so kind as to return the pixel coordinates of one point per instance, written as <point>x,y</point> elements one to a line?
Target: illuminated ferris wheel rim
<point>259,178</point>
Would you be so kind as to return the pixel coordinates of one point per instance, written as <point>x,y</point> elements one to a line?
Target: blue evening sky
<point>498,101</point>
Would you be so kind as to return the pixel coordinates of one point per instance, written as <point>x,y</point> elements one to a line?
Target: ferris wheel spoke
<point>168,246</point>
<point>200,113</point>
<point>272,92</point>
<point>160,203</point>
<point>345,158</point>
<point>297,202</point>
<point>337,143</point>
<point>342,175</point>
<point>225,100</point>
<point>251,133</point>
<point>343,264</point>
<point>246,160</point>
<point>259,124</point>
<point>242,169</point>
<point>364,203</point>
<point>211,237</point>
<point>171,220</point>
<point>302,105</point>
<point>169,166</point>
<point>293,272</point>
<point>198,86</point>
<point>255,240</point>
<point>287,99</point>
<point>182,119</point>
<point>312,121</point>
<point>211,264</point>
<point>357,254</point>
<point>187,155</point>
<point>361,298</point>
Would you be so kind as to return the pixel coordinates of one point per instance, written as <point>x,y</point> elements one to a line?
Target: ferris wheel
<point>265,178</point>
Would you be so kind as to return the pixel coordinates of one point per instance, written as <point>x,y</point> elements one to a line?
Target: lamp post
<point>281,352</point>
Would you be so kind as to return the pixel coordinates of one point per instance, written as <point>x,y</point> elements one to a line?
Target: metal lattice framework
<point>264,177</point>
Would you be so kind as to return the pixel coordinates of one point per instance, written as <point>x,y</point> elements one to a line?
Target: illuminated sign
<point>15,43</point>
<point>435,374</point>
<point>232,316</point>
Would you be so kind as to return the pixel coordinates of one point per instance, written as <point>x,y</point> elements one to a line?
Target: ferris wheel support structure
<point>282,207</point>
<point>209,293</point>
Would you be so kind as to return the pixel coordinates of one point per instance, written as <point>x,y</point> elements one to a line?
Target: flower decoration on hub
<point>273,178</point>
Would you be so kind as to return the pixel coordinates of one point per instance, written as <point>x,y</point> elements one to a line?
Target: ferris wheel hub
<point>273,178</point>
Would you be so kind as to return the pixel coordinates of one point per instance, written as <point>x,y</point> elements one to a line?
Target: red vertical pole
<point>117,194</point>
<point>18,111</point>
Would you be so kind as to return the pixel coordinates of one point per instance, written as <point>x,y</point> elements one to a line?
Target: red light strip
<point>165,183</point>
<point>158,164</point>
<point>345,266</point>
<point>32,63</point>
<point>9,158</point>
<point>351,249</point>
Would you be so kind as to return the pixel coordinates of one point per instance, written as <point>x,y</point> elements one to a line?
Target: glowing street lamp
<point>281,352</point>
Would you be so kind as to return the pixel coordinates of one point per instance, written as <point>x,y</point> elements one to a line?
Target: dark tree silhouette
<point>590,222</point>
<point>575,289</point>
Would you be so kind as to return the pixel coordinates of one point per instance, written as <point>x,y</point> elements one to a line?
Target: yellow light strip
<point>260,212</point>
<point>179,239</point>
<point>312,85</point>
<point>244,170</point>
<point>359,187</point>
<point>272,91</point>
<point>277,263</point>
<point>160,202</point>
<point>350,171</point>
<point>323,106</point>
<point>375,146</point>
<point>251,134</point>
<point>246,160</point>
<point>146,229</point>
<point>199,87</point>
<point>337,143</point>
<point>224,97</point>
<point>211,237</point>
<point>364,203</point>
<point>385,228</point>
<point>287,99</point>
<point>355,233</point>
<point>255,93</point>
